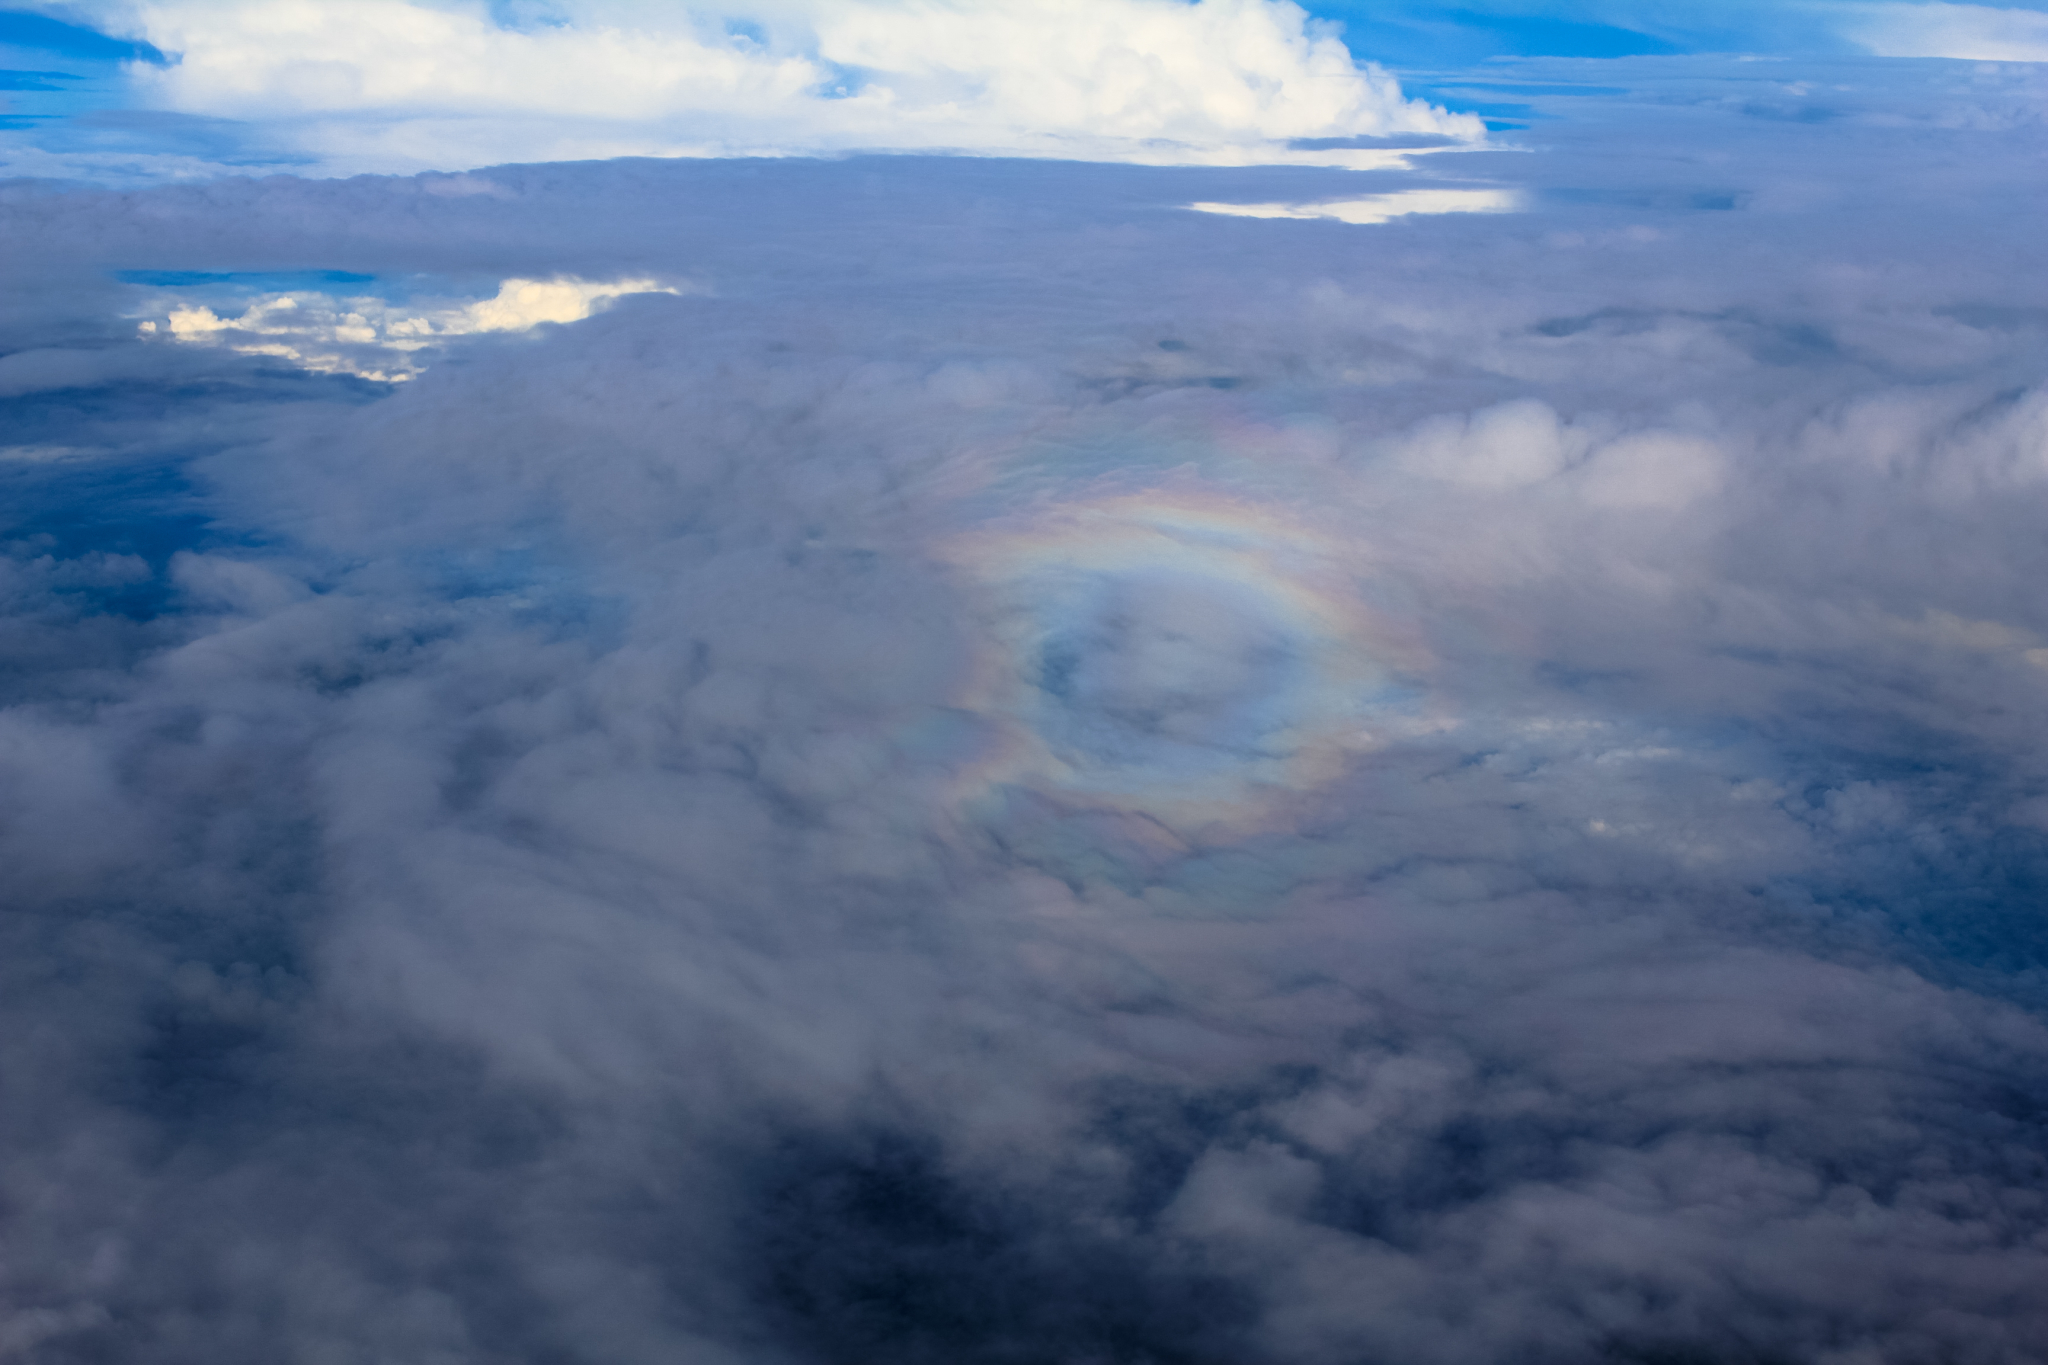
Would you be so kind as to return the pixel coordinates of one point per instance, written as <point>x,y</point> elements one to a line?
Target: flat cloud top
<point>1016,771</point>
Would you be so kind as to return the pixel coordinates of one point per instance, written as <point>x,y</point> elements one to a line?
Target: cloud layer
<point>397,85</point>
<point>1980,33</point>
<point>1028,774</point>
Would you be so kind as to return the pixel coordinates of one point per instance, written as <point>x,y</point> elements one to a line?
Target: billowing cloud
<point>1013,772</point>
<point>375,337</point>
<point>397,84</point>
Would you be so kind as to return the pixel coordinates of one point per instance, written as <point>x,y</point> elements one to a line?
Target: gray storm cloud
<point>1023,774</point>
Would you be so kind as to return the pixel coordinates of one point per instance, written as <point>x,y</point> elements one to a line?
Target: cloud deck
<point>1024,774</point>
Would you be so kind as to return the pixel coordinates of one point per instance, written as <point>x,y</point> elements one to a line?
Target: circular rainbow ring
<point>1186,654</point>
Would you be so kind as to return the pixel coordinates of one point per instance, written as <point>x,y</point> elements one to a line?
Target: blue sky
<point>1434,36</point>
<point>1424,35</point>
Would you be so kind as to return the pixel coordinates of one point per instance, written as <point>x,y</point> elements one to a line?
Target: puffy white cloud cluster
<point>406,85</point>
<point>1034,775</point>
<point>374,337</point>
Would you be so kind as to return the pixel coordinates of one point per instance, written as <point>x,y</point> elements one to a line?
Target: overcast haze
<point>1128,684</point>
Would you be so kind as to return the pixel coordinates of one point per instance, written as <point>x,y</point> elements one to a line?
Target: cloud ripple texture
<point>985,768</point>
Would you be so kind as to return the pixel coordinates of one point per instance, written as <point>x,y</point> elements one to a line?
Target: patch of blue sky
<point>77,42</point>
<point>68,107</point>
<point>34,94</point>
<point>1427,37</point>
<point>51,70</point>
<point>524,16</point>
<point>258,281</point>
<point>15,81</point>
<point>1424,36</point>
<point>845,82</point>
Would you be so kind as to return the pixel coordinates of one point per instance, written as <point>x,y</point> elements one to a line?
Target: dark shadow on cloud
<point>871,1248</point>
<point>558,860</point>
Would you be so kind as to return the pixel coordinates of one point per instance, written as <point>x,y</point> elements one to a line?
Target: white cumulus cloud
<point>406,85</point>
<point>375,338</point>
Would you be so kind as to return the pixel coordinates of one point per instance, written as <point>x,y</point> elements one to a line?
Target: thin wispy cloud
<point>1978,33</point>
